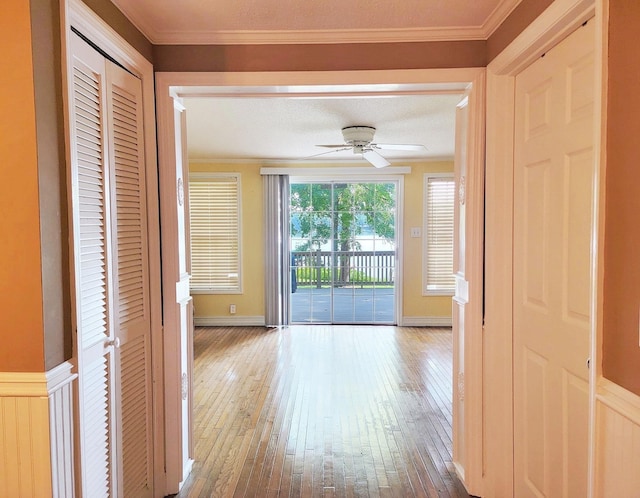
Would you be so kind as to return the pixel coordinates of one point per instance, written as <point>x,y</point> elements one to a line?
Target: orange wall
<point>621,349</point>
<point>21,321</point>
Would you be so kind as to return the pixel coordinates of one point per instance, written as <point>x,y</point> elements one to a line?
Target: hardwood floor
<point>322,411</point>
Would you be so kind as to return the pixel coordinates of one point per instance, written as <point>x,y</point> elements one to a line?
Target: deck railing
<point>343,268</point>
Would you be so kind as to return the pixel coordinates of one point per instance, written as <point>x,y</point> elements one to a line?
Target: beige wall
<point>415,304</point>
<point>251,301</point>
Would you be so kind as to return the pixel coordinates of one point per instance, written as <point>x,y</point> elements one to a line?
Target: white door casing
<point>289,85</point>
<point>553,193</point>
<point>467,300</point>
<point>178,353</point>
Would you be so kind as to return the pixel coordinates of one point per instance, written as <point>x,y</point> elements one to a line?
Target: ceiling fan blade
<point>336,146</point>
<point>376,159</point>
<point>399,146</point>
<point>328,152</point>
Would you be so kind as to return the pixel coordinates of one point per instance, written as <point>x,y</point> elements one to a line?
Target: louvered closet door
<point>130,270</point>
<point>112,278</point>
<point>95,334</point>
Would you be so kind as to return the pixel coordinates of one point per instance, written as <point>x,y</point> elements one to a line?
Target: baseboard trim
<point>229,321</point>
<point>426,321</point>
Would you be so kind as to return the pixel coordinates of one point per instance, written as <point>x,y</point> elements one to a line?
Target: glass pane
<point>346,263</point>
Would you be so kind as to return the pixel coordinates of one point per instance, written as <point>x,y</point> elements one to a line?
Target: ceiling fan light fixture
<point>358,135</point>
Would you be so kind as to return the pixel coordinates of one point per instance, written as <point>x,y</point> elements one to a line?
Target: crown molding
<point>318,36</point>
<point>498,16</point>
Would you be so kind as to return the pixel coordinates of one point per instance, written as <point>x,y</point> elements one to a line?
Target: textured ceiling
<point>274,21</point>
<point>287,129</point>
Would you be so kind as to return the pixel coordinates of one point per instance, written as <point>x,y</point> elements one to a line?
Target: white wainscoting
<point>229,321</point>
<point>61,416</point>
<point>36,433</point>
<point>617,451</point>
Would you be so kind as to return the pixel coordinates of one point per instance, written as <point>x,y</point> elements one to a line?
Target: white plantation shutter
<point>439,194</point>
<point>111,278</point>
<point>214,204</point>
<point>91,239</point>
<point>131,281</point>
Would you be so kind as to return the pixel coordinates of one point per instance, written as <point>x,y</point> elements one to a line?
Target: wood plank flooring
<point>322,411</point>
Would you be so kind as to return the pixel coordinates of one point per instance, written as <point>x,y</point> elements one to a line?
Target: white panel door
<point>111,278</point>
<point>553,191</point>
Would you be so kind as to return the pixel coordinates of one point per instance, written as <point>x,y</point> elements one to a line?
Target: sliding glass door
<point>343,252</point>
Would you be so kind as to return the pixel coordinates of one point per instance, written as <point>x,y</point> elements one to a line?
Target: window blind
<point>438,258</point>
<point>214,202</point>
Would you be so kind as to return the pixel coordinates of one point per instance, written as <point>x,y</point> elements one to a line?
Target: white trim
<point>553,25</point>
<point>59,376</point>
<point>316,83</point>
<point>80,16</point>
<point>230,321</point>
<point>498,16</point>
<point>340,172</point>
<point>30,384</point>
<point>27,384</point>
<point>427,321</point>
<point>271,84</point>
<point>399,245</point>
<point>317,36</point>
<point>619,399</point>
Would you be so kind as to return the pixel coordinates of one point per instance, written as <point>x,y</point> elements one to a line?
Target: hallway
<point>321,411</point>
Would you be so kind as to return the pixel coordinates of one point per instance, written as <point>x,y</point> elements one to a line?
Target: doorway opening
<point>174,89</point>
<point>343,252</point>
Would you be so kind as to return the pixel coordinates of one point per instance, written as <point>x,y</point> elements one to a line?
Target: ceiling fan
<point>360,140</point>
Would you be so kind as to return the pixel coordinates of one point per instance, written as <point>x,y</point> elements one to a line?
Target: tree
<point>341,212</point>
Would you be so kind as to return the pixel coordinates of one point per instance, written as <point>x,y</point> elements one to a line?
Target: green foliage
<point>309,276</point>
<point>341,212</point>
<point>356,207</point>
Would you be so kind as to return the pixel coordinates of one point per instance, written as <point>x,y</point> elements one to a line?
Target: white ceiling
<point>305,21</point>
<point>280,129</point>
<point>277,128</point>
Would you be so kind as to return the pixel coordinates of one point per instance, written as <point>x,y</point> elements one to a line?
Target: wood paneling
<point>36,433</point>
<point>322,411</point>
<point>617,442</point>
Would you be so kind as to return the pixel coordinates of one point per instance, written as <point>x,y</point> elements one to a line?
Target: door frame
<point>554,24</point>
<point>171,87</point>
<point>388,175</point>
